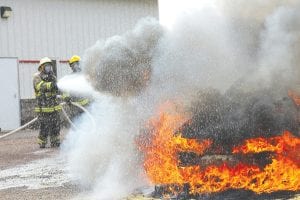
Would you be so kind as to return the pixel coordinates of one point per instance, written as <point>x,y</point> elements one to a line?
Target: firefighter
<point>74,63</point>
<point>47,104</point>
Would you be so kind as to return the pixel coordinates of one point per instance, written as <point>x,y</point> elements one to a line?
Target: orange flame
<point>162,165</point>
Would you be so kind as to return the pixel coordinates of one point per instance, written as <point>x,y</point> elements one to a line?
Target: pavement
<point>28,172</point>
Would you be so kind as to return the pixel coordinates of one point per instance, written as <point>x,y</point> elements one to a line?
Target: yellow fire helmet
<point>73,59</point>
<point>43,61</point>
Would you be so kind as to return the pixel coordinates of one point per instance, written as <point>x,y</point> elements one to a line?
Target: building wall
<point>60,28</point>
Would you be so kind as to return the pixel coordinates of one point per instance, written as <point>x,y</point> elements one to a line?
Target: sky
<point>169,10</point>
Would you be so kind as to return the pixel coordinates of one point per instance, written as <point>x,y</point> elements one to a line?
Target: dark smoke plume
<point>236,115</point>
<point>124,62</point>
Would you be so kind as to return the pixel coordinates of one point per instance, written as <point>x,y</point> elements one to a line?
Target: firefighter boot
<point>42,141</point>
<point>55,141</point>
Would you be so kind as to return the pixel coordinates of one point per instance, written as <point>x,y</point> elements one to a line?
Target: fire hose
<point>83,109</point>
<point>65,114</point>
<point>18,129</point>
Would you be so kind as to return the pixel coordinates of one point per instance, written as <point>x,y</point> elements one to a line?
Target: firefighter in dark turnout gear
<point>74,63</point>
<point>47,105</point>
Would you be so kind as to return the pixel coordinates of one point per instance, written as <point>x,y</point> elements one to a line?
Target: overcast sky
<point>169,10</point>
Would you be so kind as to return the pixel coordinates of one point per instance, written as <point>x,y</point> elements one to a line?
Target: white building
<point>57,29</point>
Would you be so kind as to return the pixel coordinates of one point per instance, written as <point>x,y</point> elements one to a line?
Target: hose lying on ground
<point>18,129</point>
<point>65,114</point>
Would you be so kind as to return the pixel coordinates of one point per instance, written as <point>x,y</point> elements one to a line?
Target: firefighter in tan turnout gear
<point>47,105</point>
<point>74,63</point>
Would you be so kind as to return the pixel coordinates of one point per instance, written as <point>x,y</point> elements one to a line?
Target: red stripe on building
<point>29,61</point>
<point>37,61</point>
<point>64,61</point>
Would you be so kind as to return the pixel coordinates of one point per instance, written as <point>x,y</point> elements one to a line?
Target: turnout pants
<point>49,126</point>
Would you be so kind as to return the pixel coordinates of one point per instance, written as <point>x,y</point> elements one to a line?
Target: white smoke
<point>280,49</point>
<point>252,43</point>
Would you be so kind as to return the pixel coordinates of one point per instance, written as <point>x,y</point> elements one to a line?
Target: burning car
<point>246,142</point>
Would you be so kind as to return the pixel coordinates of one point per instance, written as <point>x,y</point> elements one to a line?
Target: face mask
<point>48,69</point>
<point>75,67</point>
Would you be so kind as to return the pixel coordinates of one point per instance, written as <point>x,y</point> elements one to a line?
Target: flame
<point>162,165</point>
<point>161,155</point>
